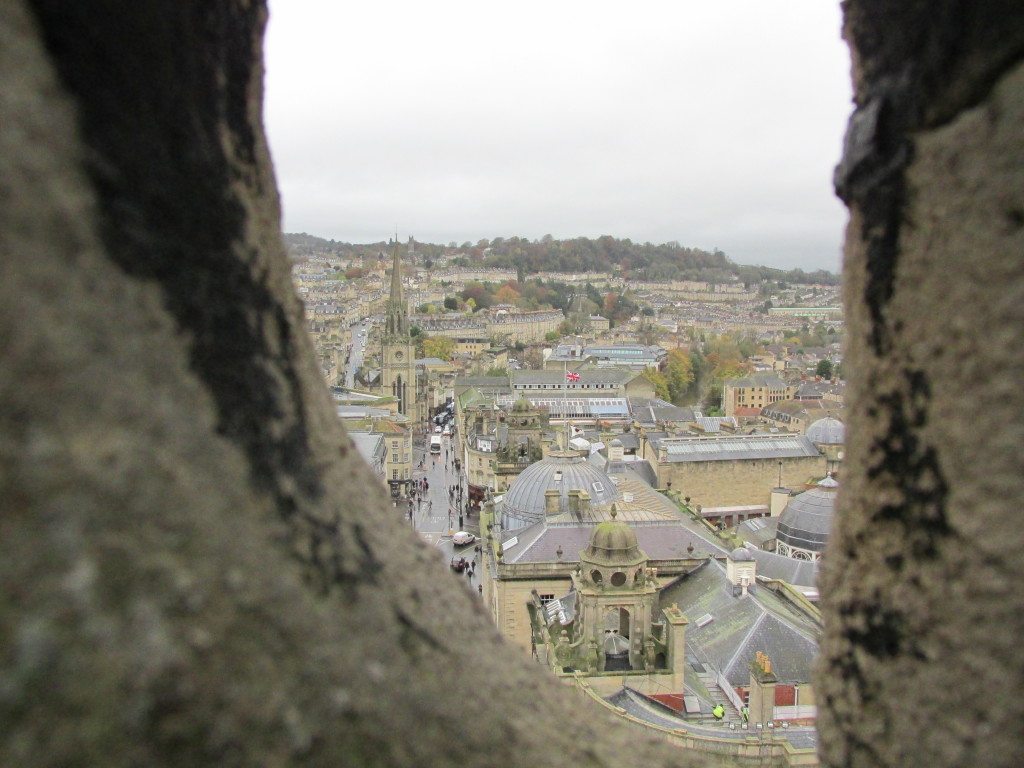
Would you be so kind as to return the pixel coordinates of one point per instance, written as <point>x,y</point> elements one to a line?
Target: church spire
<point>396,278</point>
<point>398,314</point>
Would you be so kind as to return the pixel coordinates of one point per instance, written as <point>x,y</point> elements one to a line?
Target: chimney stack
<point>552,502</point>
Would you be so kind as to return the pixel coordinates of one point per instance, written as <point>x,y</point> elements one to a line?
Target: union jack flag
<point>571,376</point>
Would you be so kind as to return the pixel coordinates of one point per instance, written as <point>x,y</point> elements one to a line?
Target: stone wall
<point>737,483</point>
<point>922,661</point>
<point>513,619</point>
<point>193,572</point>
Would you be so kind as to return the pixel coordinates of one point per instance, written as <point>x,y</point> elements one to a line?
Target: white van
<point>435,443</point>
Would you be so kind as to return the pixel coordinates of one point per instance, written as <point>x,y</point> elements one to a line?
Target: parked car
<point>462,538</point>
<point>437,430</point>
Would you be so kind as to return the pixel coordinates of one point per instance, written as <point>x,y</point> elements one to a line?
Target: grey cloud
<point>713,127</point>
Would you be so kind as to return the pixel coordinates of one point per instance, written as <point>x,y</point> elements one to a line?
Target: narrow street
<point>360,335</point>
<point>436,517</point>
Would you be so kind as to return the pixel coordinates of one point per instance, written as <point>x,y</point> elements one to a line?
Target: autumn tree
<point>478,294</point>
<point>611,301</point>
<point>678,375</point>
<point>660,382</point>
<point>439,346</point>
<point>507,295</point>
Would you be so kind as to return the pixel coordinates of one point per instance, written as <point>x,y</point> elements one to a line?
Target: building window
<point>394,474</point>
<point>394,458</point>
<point>545,599</point>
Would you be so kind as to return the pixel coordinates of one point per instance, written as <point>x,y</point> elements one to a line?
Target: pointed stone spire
<point>397,320</point>
<point>396,278</point>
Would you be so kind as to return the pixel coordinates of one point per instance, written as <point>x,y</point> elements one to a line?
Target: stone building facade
<point>733,470</point>
<point>398,353</point>
<point>749,395</point>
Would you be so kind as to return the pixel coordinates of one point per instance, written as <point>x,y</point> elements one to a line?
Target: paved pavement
<point>436,518</point>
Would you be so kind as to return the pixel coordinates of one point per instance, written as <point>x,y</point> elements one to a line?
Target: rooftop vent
<point>704,620</point>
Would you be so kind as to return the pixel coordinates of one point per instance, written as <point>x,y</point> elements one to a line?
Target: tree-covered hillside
<point>641,261</point>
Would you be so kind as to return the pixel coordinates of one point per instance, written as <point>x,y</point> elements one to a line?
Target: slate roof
<point>654,410</point>
<point>811,390</point>
<point>482,382</point>
<point>628,440</point>
<point>370,445</point>
<point>651,711</point>
<point>540,542</point>
<point>362,412</point>
<point>757,530</point>
<point>643,470</point>
<point>736,447</point>
<point>470,396</point>
<point>758,380</point>
<point>615,376</point>
<point>741,626</point>
<point>799,573</point>
<point>656,520</point>
<point>712,424</point>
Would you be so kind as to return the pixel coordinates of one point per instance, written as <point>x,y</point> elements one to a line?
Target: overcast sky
<point>714,123</point>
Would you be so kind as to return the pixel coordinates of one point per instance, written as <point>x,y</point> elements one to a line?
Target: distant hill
<point>666,261</point>
<point>644,261</point>
<point>302,240</point>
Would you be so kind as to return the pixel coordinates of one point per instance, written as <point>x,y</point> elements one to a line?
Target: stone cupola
<point>613,548</point>
<point>617,594</point>
<point>741,570</point>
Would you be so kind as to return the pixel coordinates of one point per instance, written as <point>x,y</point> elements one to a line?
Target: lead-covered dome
<point>524,501</point>
<point>805,523</point>
<point>827,431</point>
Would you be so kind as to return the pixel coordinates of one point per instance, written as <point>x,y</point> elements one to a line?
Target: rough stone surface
<point>922,662</point>
<point>195,567</point>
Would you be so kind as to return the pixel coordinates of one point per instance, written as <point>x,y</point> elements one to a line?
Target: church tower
<point>398,371</point>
